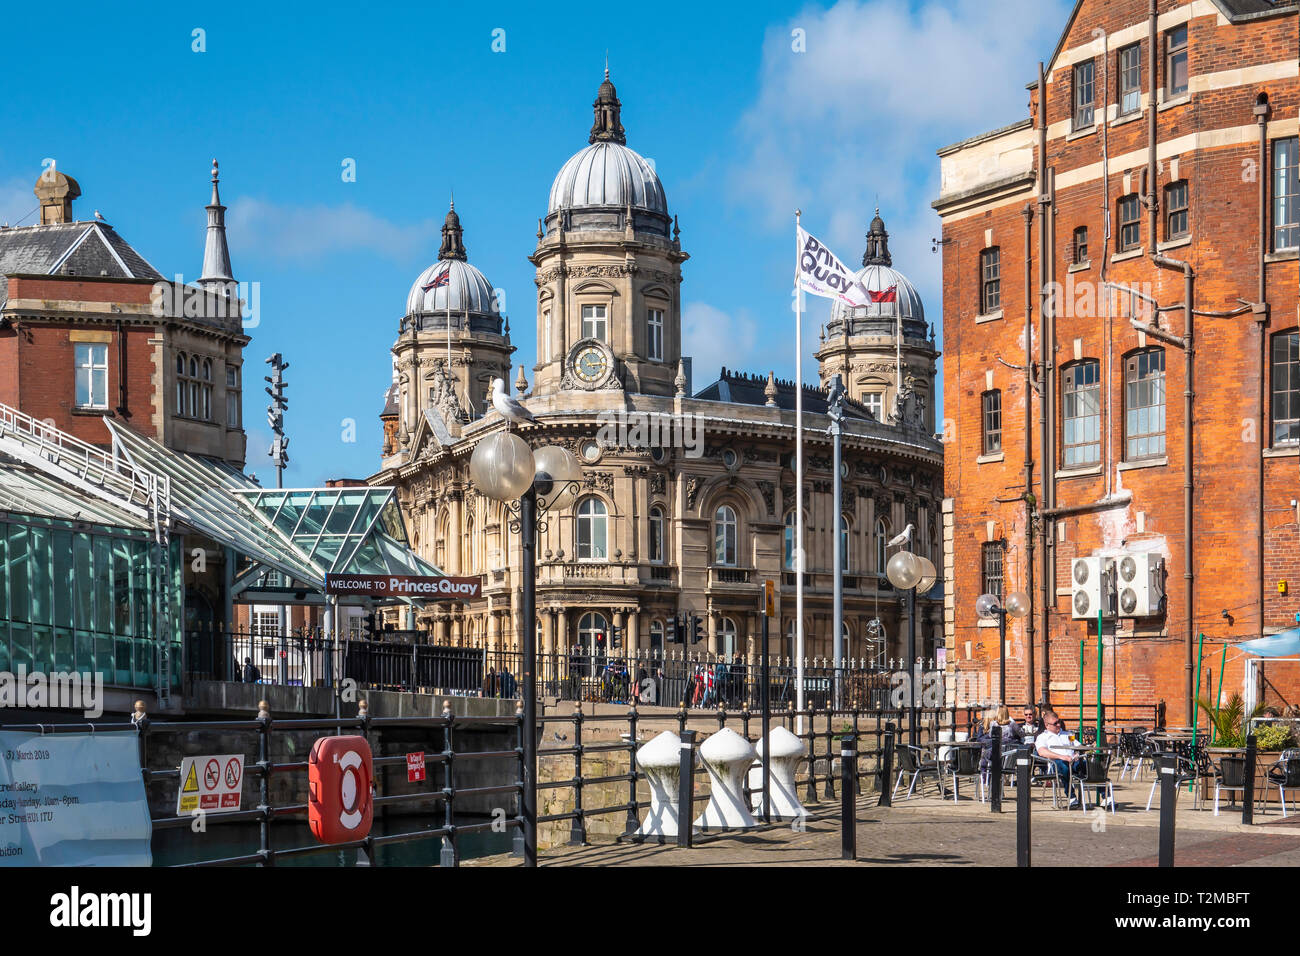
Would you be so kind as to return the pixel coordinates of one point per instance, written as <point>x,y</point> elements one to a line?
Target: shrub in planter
<point>1274,737</point>
<point>1228,721</point>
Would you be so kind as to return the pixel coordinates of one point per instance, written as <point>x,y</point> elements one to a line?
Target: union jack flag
<point>441,279</point>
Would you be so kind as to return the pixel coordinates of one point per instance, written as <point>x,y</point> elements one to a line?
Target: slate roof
<point>69,248</point>
<point>745,389</point>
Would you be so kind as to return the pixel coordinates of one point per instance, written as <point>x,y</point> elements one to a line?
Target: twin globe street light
<point>911,573</point>
<point>505,469</point>
<point>988,606</point>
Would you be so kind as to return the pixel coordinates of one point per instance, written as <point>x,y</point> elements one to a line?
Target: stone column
<point>619,621</point>
<point>452,548</point>
<point>713,632</point>
<point>494,630</point>
<point>440,623</point>
<point>633,644</point>
<point>562,637</point>
<point>548,631</point>
<point>458,631</point>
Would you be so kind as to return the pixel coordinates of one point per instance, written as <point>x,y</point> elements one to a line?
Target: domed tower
<point>885,348</point>
<point>452,342</point>
<point>608,264</point>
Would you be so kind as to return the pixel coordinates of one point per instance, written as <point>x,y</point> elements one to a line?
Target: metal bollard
<point>995,772</point>
<point>1248,798</point>
<point>1023,763</point>
<point>887,768</point>
<point>686,791</point>
<point>848,801</point>
<point>1168,806</point>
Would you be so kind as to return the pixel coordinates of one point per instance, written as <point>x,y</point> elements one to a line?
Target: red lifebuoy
<point>340,804</point>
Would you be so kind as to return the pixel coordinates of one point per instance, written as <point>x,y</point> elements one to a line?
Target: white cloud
<point>713,338</point>
<point>857,118</point>
<point>305,233</point>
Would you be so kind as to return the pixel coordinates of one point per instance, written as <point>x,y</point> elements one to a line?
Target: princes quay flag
<point>821,273</point>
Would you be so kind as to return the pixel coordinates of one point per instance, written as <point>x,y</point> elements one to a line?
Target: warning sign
<point>212,784</point>
<point>415,767</point>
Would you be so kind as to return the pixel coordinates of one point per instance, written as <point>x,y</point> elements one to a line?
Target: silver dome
<point>468,289</point>
<point>880,278</point>
<point>607,174</point>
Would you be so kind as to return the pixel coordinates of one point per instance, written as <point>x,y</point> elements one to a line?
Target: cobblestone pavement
<point>969,835</point>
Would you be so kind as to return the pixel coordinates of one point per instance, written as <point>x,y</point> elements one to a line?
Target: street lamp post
<point>911,573</point>
<point>505,469</point>
<point>987,606</point>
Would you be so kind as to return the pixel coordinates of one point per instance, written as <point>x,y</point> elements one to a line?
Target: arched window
<point>882,536</point>
<point>727,637</point>
<point>440,542</point>
<point>470,552</point>
<point>788,562</point>
<point>657,637</point>
<point>593,633</point>
<point>656,535</point>
<point>205,391</point>
<point>181,390</point>
<point>844,543</point>
<point>593,530</point>
<point>724,536</point>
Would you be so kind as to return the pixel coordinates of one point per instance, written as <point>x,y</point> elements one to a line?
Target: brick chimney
<point>56,192</point>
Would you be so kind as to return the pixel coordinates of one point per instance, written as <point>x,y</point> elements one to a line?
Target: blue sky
<point>742,128</point>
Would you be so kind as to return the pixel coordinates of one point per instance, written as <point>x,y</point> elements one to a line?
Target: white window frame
<point>95,369</point>
<point>655,335</point>
<point>593,521</point>
<point>726,528</point>
<point>658,536</point>
<point>595,322</point>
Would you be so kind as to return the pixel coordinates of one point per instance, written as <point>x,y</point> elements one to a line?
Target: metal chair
<point>1042,770</point>
<point>1193,766</point>
<point>1285,775</point>
<point>1234,781</point>
<point>1130,751</point>
<point>1097,777</point>
<point>965,762</point>
<point>911,762</point>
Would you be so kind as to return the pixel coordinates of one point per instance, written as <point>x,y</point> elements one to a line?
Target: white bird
<point>903,537</point>
<point>510,409</point>
<point>99,217</point>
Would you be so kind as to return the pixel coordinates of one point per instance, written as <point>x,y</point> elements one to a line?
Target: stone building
<point>688,496</point>
<point>1158,166</point>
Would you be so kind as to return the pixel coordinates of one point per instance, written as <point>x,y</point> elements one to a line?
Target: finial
<point>539,229</point>
<point>607,64</point>
<point>770,391</point>
<point>452,193</point>
<point>214,170</point>
<point>679,382</point>
<point>521,383</point>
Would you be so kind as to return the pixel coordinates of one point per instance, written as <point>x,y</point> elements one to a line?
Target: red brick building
<point>89,328</point>
<point>1157,168</point>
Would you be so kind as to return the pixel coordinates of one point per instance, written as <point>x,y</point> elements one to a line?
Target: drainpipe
<point>1152,199</point>
<point>1028,213</point>
<point>121,370</point>
<point>1046,380</point>
<point>1260,309</point>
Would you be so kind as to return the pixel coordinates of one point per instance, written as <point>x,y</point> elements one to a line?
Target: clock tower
<point>609,274</point>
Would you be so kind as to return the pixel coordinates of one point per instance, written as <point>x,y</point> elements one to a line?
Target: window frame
<point>726,536</point>
<point>654,324</point>
<point>1285,194</point>
<point>993,568</point>
<point>1080,258</point>
<point>658,535</point>
<point>1134,380</point>
<point>991,421</point>
<point>592,520</point>
<point>1171,211</point>
<point>1078,87</point>
<point>1123,70</point>
<point>882,545</point>
<point>1291,389</point>
<point>597,321</point>
<point>94,369</point>
<point>874,402</point>
<point>1172,54</point>
<point>1068,392</point>
<point>234,398</point>
<point>788,535</point>
<point>1131,203</point>
<point>990,280</point>
<point>845,543</point>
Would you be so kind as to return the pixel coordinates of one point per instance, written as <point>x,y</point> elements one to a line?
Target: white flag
<point>821,273</point>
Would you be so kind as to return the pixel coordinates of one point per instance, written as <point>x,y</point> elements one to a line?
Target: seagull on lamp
<point>903,537</point>
<point>510,409</point>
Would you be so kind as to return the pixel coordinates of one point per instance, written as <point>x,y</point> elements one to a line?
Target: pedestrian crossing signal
<point>697,630</point>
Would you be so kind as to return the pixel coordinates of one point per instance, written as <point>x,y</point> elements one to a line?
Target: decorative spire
<point>877,253</point>
<point>770,391</point>
<point>679,382</point>
<point>452,245</point>
<point>521,383</point>
<point>216,254</point>
<point>608,127</point>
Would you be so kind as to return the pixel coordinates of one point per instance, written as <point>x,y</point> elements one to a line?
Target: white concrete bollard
<point>726,755</point>
<point>787,751</point>
<point>660,761</point>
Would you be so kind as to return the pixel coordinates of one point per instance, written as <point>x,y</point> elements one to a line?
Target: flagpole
<point>798,482</point>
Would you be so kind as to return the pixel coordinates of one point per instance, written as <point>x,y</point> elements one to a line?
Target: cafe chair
<point>1193,766</point>
<point>1042,770</point>
<point>1130,751</point>
<point>1098,778</point>
<point>965,762</point>
<point>1285,775</point>
<point>1231,778</point>
<point>911,762</point>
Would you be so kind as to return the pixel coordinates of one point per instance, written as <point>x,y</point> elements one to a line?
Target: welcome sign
<point>426,587</point>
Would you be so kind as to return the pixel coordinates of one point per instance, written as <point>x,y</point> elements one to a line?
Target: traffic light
<point>617,635</point>
<point>600,642</point>
<point>697,630</point>
<point>674,635</point>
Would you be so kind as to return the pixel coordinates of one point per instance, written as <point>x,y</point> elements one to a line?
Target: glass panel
<point>83,592</point>
<point>41,596</point>
<point>65,585</point>
<point>20,599</point>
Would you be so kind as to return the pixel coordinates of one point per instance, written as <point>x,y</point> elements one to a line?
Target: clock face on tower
<point>590,364</point>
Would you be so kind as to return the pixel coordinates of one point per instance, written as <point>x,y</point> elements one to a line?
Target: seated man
<point>1051,745</point>
<point>1029,724</point>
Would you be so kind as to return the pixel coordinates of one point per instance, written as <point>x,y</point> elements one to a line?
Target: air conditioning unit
<point>1092,586</point>
<point>1140,585</point>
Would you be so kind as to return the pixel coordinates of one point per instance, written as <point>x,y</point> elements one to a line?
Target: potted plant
<point>1230,727</point>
